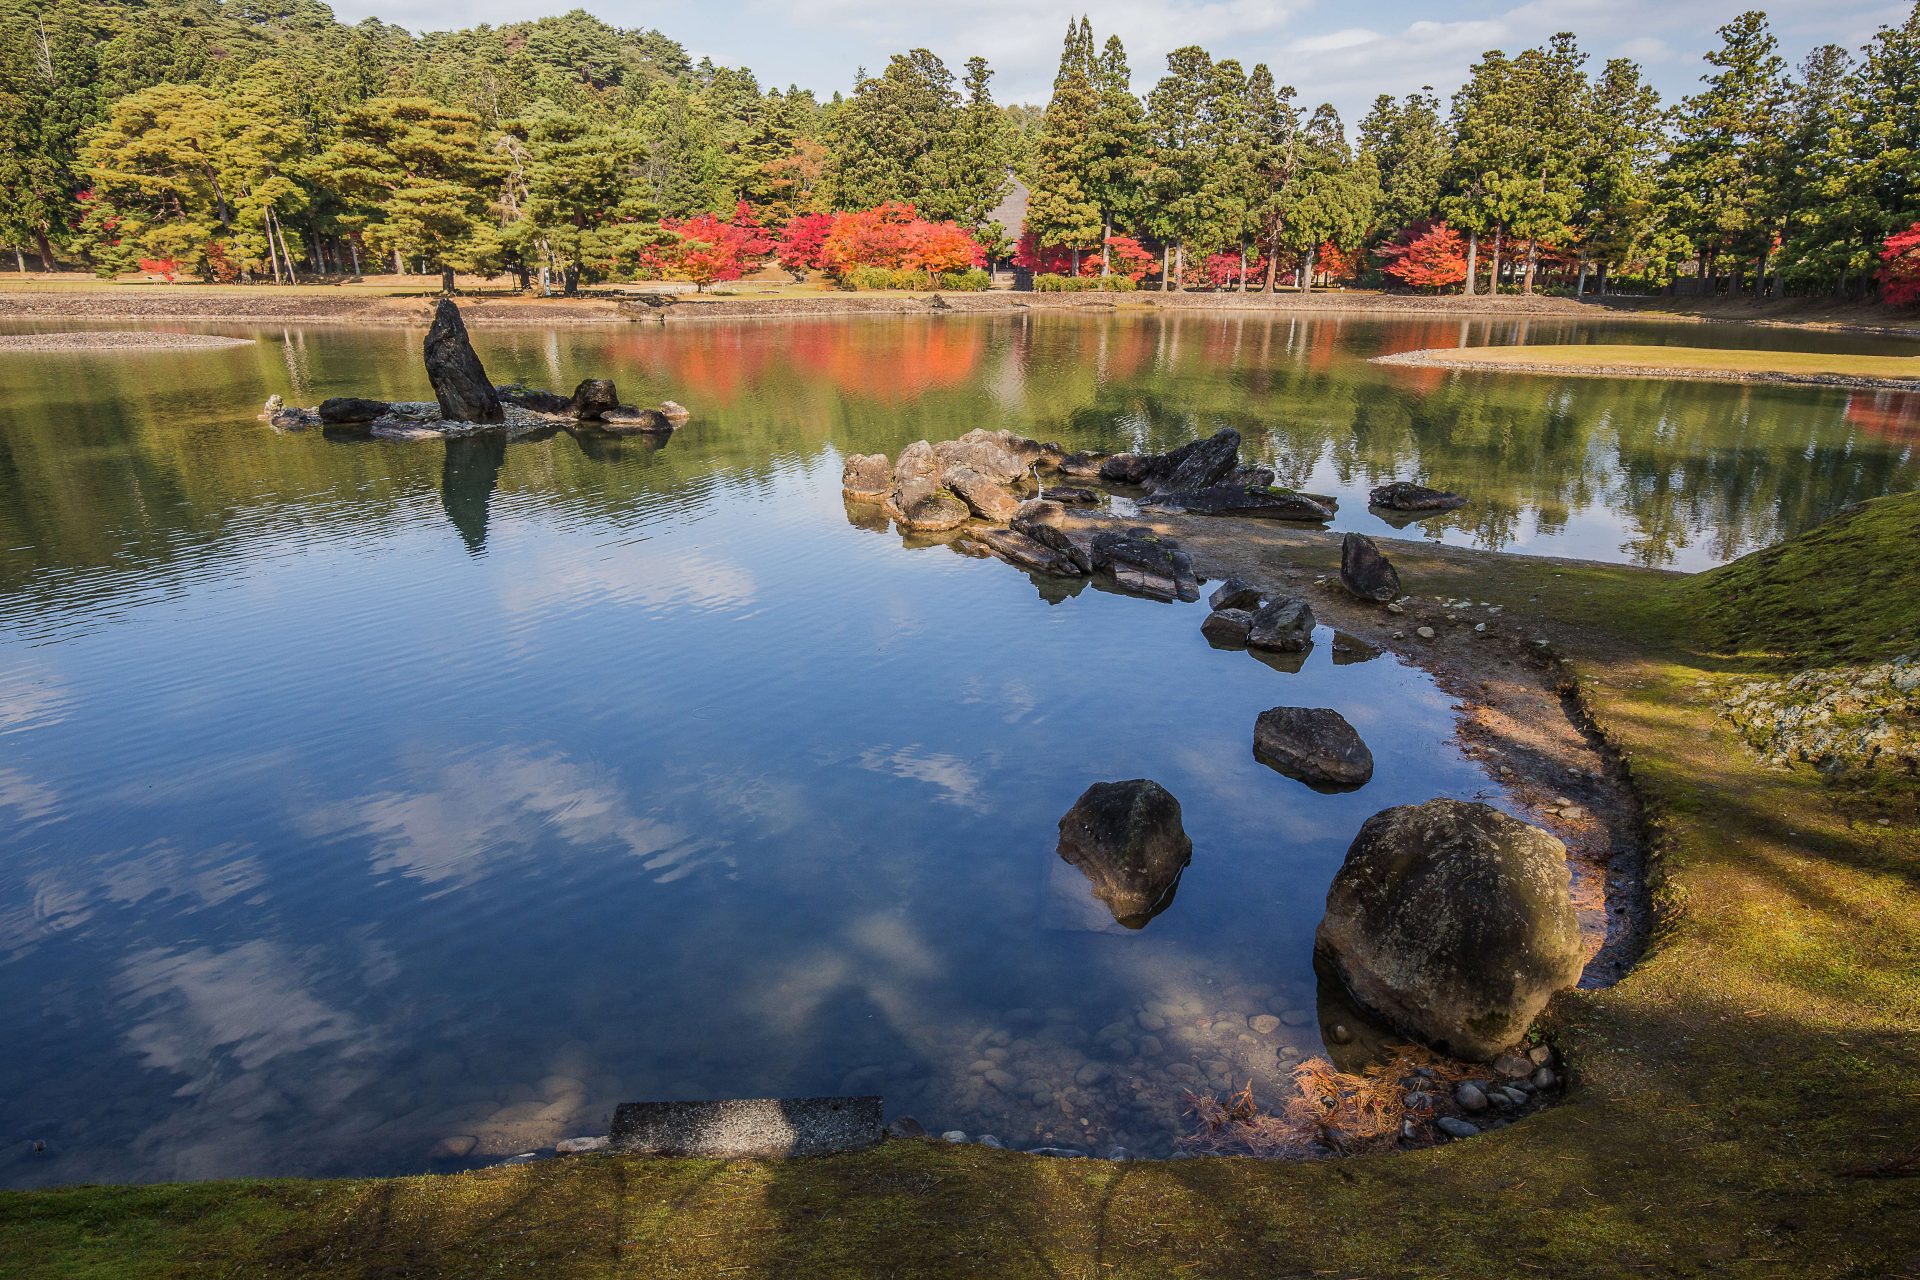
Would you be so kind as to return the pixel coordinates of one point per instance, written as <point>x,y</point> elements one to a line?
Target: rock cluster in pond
<point>1206,477</point>
<point>1127,839</point>
<point>466,402</point>
<point>1404,495</point>
<point>1315,745</point>
<point>1452,921</point>
<point>934,487</point>
<point>1365,570</point>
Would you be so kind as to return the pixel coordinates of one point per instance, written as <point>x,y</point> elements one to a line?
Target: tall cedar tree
<point>1062,208</point>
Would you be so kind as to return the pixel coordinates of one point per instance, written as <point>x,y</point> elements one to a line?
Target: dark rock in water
<point>867,475</point>
<point>1366,571</point>
<point>1351,650</point>
<point>986,499</point>
<point>594,397</point>
<point>1028,553</point>
<point>536,400</point>
<point>624,418</point>
<point>1072,495</point>
<point>1146,566</point>
<point>1081,466</point>
<point>468,476</point>
<point>1126,838</point>
<point>1403,495</point>
<point>1249,474</point>
<point>1452,921</point>
<point>1125,468</point>
<point>1198,464</point>
<point>459,382</point>
<point>1241,500</point>
<point>1039,520</point>
<point>1315,745</point>
<point>350,410</point>
<point>905,1127</point>
<point>1227,628</point>
<point>1235,593</point>
<point>1285,625</point>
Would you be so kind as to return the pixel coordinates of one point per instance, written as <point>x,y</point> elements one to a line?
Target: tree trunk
<point>571,280</point>
<point>1306,271</point>
<point>446,280</point>
<point>1166,267</point>
<point>520,274</point>
<point>1533,265</point>
<point>1493,277</point>
<point>353,247</point>
<point>46,251</point>
<point>1106,257</point>
<point>399,264</point>
<point>1473,262</point>
<point>1243,268</point>
<point>19,260</point>
<point>1179,267</point>
<point>1580,285</point>
<point>1600,285</point>
<point>1273,265</point>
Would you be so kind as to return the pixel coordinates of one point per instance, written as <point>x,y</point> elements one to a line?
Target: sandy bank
<point>115,340</point>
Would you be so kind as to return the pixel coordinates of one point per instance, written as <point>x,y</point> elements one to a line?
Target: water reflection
<point>329,843</point>
<point>468,477</point>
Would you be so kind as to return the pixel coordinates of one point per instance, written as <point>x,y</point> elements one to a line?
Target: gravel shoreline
<point>1430,360</point>
<point>116,340</point>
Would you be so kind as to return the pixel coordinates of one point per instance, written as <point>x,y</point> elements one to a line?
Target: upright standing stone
<point>459,383</point>
<point>1365,569</point>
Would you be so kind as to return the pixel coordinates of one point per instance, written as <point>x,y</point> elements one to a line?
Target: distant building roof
<point>1011,212</point>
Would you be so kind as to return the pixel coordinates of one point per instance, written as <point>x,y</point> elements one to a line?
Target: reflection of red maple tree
<point>1892,414</point>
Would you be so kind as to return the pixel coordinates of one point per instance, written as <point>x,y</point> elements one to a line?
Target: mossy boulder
<point>1452,922</point>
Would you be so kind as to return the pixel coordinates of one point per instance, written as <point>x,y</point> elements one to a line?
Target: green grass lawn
<point>1743,1104</point>
<point>1632,360</point>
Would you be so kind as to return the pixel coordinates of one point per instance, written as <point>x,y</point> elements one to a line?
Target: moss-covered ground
<point>1745,1103</point>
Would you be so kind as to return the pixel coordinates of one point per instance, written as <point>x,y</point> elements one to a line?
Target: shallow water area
<point>365,800</point>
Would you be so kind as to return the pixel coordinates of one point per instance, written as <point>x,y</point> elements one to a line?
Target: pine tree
<point>981,151</point>
<point>579,192</point>
<point>1410,146</point>
<point>1332,197</point>
<point>416,172</point>
<point>1274,124</point>
<point>1062,207</point>
<point>1724,165</point>
<point>1182,139</point>
<point>1116,169</point>
<point>892,139</point>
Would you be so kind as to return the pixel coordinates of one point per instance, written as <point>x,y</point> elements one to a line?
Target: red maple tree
<point>801,241</point>
<point>1900,268</point>
<point>1426,255</point>
<point>706,250</point>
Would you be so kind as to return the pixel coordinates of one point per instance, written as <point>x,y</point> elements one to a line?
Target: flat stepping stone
<point>738,1127</point>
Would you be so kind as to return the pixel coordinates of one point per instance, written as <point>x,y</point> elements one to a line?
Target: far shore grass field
<point>1640,360</point>
<point>1744,1103</point>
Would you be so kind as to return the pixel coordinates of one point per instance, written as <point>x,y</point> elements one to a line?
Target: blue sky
<point>1331,51</point>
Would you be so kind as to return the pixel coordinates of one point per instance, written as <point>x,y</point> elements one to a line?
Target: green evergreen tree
<point>1409,144</point>
<point>1725,161</point>
<point>1062,202</point>
<point>1117,136</point>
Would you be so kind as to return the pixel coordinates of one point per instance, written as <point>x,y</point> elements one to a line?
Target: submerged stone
<point>1127,839</point>
<point>1315,745</point>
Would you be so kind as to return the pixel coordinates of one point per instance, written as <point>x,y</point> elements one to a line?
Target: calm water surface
<point>360,796</point>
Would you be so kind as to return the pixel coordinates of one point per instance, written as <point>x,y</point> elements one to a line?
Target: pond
<point>369,807</point>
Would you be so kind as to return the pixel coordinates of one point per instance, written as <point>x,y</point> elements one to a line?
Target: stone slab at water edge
<point>747,1127</point>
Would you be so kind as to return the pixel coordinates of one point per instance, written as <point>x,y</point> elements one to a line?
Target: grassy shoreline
<point>1713,364</point>
<point>1741,1103</point>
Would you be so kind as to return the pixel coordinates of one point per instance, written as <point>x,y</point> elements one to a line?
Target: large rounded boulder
<point>1452,921</point>
<point>1127,839</point>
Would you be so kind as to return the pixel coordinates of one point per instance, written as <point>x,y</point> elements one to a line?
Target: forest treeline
<point>266,140</point>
